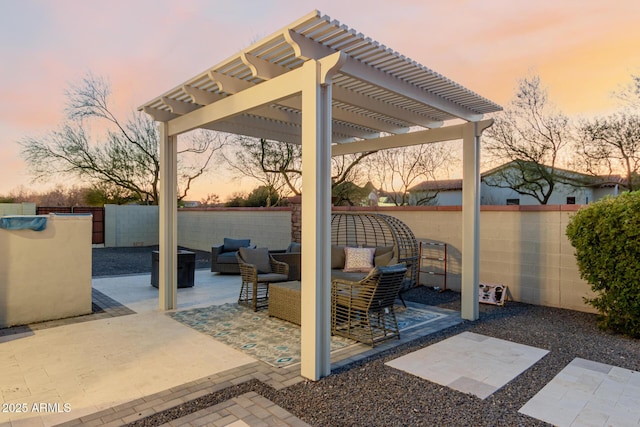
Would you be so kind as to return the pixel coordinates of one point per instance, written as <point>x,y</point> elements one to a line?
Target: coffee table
<point>284,301</point>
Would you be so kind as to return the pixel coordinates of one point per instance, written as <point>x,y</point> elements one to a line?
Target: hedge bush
<point>606,236</point>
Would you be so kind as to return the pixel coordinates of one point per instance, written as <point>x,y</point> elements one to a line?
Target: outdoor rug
<point>268,339</point>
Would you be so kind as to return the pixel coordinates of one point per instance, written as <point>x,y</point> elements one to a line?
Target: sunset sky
<point>582,50</point>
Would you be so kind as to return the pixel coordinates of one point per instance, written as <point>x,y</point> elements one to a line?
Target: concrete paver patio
<point>93,365</point>
<point>138,361</point>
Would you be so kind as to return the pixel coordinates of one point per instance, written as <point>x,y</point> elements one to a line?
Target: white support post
<point>316,213</point>
<point>168,233</point>
<point>470,221</point>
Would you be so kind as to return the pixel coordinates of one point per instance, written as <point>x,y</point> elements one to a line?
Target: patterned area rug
<point>272,340</point>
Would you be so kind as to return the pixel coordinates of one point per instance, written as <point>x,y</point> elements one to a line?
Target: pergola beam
<point>427,136</point>
<point>252,97</point>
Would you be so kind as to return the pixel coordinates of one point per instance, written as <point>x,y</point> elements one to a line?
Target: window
<point>513,201</point>
<point>571,200</point>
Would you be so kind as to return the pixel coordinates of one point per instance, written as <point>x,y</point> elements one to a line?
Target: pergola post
<point>168,205</point>
<point>316,213</point>
<point>470,221</point>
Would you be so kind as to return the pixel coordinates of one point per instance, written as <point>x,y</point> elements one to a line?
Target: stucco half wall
<point>46,275</point>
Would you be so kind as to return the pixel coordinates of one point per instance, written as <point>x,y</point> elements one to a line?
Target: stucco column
<point>168,233</point>
<point>470,221</point>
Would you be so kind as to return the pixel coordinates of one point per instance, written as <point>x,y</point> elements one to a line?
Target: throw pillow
<point>358,259</point>
<point>231,245</point>
<point>258,257</point>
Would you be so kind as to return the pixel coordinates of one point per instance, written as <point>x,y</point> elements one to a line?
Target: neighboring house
<point>585,189</point>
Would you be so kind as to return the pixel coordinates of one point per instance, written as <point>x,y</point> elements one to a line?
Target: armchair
<point>258,269</point>
<point>364,310</point>
<point>223,257</point>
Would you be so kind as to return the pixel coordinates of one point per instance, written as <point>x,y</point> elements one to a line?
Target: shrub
<point>606,236</point>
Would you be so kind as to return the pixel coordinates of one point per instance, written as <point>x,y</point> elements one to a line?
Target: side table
<point>285,301</point>
<point>186,268</point>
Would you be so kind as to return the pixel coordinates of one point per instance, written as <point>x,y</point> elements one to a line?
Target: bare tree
<point>531,135</point>
<point>395,171</point>
<point>275,165</point>
<point>629,94</point>
<point>612,144</point>
<point>278,165</point>
<point>127,157</point>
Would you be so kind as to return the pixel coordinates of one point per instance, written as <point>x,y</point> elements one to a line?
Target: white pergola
<point>321,84</point>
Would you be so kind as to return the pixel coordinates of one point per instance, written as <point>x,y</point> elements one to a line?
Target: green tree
<point>125,160</point>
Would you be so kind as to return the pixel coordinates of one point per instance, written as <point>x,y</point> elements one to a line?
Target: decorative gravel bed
<point>133,260</point>
<point>369,393</point>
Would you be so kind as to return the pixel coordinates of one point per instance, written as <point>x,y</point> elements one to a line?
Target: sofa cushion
<point>358,259</point>
<point>337,256</point>
<point>232,245</point>
<point>294,247</point>
<point>383,259</point>
<point>258,257</point>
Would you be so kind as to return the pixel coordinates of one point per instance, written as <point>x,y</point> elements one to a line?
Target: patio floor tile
<point>470,363</point>
<point>587,393</point>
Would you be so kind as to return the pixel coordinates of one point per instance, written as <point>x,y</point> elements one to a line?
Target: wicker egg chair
<point>373,230</point>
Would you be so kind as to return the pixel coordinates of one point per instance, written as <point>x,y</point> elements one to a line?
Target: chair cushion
<point>395,268</point>
<point>272,277</point>
<point>358,259</point>
<point>353,277</point>
<point>258,257</point>
<point>227,258</point>
<point>232,245</point>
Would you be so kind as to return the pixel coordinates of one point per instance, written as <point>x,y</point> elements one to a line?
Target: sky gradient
<point>582,50</point>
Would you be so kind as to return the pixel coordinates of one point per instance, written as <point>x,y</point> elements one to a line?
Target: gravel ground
<point>368,393</point>
<point>136,260</point>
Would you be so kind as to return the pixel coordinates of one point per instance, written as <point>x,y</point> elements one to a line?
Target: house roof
<point>439,185</point>
<point>376,90</point>
<point>456,184</point>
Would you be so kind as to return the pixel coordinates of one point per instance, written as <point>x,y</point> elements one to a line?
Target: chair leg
<point>402,299</point>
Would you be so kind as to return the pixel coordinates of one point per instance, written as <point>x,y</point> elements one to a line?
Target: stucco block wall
<point>46,275</point>
<point>17,209</point>
<point>130,225</point>
<point>524,248</point>
<point>201,229</point>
